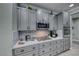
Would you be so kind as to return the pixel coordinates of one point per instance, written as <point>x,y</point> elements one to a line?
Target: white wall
<point>14,24</point>
<point>5,29</point>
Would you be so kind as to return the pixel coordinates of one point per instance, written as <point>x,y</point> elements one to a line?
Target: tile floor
<point>74,51</point>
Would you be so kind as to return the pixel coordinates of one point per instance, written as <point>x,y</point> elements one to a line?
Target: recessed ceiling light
<point>71,5</point>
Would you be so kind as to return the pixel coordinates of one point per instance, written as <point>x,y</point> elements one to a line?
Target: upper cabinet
<point>42,16</point>
<point>53,22</point>
<point>60,21</point>
<point>63,20</point>
<point>26,19</point>
<point>66,21</point>
<point>45,17</point>
<point>22,14</point>
<point>32,16</point>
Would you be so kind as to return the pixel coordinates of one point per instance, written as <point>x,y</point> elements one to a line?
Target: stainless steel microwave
<point>42,25</point>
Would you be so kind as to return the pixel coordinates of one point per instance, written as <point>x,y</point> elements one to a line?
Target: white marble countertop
<point>27,43</point>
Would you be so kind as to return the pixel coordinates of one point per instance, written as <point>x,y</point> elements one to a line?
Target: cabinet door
<point>44,50</point>
<point>51,22</point>
<point>30,53</point>
<point>22,18</point>
<point>67,44</point>
<point>45,17</point>
<point>60,21</point>
<point>66,21</point>
<point>42,16</point>
<point>32,19</point>
<point>39,15</point>
<point>44,45</point>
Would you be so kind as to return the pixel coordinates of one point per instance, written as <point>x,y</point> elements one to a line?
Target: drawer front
<point>53,45</point>
<point>44,50</point>
<point>22,50</point>
<point>54,52</point>
<point>44,45</point>
<point>32,53</point>
<point>48,54</point>
<point>60,42</point>
<point>67,46</point>
<point>59,50</point>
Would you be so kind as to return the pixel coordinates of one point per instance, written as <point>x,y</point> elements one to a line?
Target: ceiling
<point>58,7</point>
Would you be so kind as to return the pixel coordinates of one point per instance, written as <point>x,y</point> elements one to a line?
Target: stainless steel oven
<point>66,31</point>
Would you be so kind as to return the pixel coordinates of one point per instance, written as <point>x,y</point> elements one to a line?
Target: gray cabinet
<point>26,50</point>
<point>39,15</point>
<point>26,19</point>
<point>67,44</point>
<point>66,21</point>
<point>45,17</point>
<point>48,48</point>
<point>44,48</point>
<point>32,16</point>
<point>42,16</point>
<point>63,20</point>
<point>53,22</point>
<point>60,21</point>
<point>22,14</point>
<point>31,53</point>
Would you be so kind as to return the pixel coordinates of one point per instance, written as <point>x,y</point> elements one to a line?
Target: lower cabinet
<point>48,54</point>
<point>50,48</point>
<point>66,44</point>
<point>31,53</point>
<point>43,51</point>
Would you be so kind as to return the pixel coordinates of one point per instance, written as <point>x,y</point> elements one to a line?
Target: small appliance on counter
<point>21,41</point>
<point>27,37</point>
<point>53,34</point>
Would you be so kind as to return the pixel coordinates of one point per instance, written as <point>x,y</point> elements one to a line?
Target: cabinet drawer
<point>53,52</point>
<point>48,54</point>
<point>60,49</point>
<point>31,53</point>
<point>44,45</point>
<point>53,44</point>
<point>44,50</point>
<point>22,50</point>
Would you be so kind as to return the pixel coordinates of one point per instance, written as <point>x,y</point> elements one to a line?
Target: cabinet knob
<point>50,48</point>
<point>33,47</point>
<point>22,51</point>
<point>43,45</point>
<point>56,41</point>
<point>50,54</point>
<point>33,54</point>
<point>28,27</point>
<point>43,51</point>
<point>56,52</point>
<point>53,50</point>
